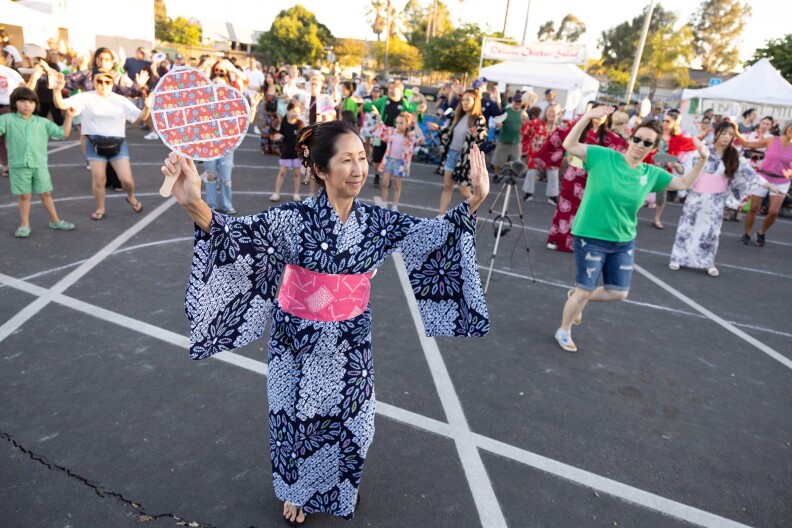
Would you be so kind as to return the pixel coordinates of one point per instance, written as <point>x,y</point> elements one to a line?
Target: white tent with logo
<point>566,77</point>
<point>759,84</point>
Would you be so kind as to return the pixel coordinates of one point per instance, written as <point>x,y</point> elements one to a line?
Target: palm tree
<point>376,12</point>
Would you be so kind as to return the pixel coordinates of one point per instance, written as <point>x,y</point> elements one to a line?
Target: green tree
<point>569,30</point>
<point>456,51</point>
<point>619,43</point>
<point>666,56</point>
<point>178,30</point>
<point>376,14</point>
<point>546,31</point>
<point>160,11</point>
<point>401,55</point>
<point>350,52</point>
<point>296,36</point>
<point>779,52</point>
<point>421,23</point>
<point>717,25</point>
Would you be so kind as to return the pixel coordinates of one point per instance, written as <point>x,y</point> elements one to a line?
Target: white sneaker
<point>552,245</point>
<point>151,136</point>
<point>564,340</point>
<point>378,202</point>
<point>395,208</point>
<point>274,197</point>
<point>673,266</point>
<point>296,197</point>
<point>713,272</point>
<point>256,130</point>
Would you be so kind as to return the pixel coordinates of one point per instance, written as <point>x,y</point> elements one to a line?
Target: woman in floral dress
<point>573,184</point>
<point>725,173</point>
<point>326,249</point>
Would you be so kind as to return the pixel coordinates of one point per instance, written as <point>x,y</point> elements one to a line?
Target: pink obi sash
<point>321,296</point>
<point>709,183</point>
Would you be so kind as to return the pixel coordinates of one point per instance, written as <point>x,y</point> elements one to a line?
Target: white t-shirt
<point>9,81</point>
<point>256,78</point>
<point>103,116</point>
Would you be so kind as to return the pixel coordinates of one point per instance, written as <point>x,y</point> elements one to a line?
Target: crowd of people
<point>600,166</point>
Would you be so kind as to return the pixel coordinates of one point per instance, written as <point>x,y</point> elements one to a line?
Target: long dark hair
<point>731,158</point>
<point>602,131</point>
<point>474,112</point>
<point>316,145</point>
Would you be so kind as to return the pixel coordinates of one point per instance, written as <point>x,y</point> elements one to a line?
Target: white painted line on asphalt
<point>64,146</point>
<point>722,265</point>
<point>716,319</point>
<point>489,510</point>
<point>13,324</point>
<point>129,323</point>
<point>609,486</point>
<point>579,476</point>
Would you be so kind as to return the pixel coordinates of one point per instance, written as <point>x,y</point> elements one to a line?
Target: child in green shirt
<point>26,138</point>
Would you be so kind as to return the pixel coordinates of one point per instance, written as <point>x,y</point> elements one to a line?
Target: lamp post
<point>525,29</point>
<point>387,35</point>
<point>505,17</point>
<point>639,51</point>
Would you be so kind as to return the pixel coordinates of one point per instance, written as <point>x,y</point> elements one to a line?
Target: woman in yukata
<point>325,250</point>
<point>725,173</point>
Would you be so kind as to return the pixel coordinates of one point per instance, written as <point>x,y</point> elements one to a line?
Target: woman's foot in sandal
<point>137,206</point>
<point>657,225</point>
<point>98,215</point>
<point>293,514</point>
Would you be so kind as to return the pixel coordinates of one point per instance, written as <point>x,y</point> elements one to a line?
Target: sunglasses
<point>103,81</point>
<point>646,142</point>
<point>220,72</point>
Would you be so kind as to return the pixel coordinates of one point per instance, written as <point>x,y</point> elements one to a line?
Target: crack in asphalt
<point>140,511</point>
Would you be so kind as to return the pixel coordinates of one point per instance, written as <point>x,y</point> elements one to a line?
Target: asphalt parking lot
<point>674,412</point>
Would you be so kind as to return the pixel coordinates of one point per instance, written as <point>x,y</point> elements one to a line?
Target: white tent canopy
<point>566,77</point>
<point>760,84</point>
<point>558,76</point>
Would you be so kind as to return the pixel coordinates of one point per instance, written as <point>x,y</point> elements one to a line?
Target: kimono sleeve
<point>440,257</point>
<point>743,180</point>
<point>236,269</point>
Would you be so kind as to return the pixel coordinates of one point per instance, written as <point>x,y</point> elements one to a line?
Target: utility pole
<point>505,17</point>
<point>387,36</point>
<point>639,51</point>
<point>525,29</point>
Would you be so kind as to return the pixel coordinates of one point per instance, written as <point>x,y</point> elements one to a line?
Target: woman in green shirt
<point>604,228</point>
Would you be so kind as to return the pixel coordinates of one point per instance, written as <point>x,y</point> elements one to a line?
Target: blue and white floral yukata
<point>321,376</point>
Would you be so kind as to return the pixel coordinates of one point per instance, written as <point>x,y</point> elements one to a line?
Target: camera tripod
<point>502,223</point>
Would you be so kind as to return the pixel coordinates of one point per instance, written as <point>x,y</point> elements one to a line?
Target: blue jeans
<point>221,171</point>
<point>613,260</point>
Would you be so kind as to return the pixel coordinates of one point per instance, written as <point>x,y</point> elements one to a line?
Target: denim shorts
<point>394,167</point>
<point>91,155</point>
<point>613,260</point>
<point>451,160</point>
<point>290,163</point>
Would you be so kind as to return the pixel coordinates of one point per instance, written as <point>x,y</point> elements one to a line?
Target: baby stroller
<point>429,152</point>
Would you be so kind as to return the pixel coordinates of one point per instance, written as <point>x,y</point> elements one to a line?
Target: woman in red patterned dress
<point>534,132</point>
<point>597,132</point>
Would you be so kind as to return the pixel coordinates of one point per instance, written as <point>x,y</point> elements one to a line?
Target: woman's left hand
<point>479,177</point>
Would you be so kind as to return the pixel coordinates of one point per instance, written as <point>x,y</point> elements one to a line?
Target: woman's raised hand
<point>479,177</point>
<point>701,148</point>
<point>187,188</point>
<point>600,111</point>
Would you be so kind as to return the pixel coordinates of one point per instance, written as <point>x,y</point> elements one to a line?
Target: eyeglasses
<point>646,142</point>
<point>220,72</point>
<point>103,81</point>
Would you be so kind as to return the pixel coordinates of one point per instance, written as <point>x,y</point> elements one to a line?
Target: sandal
<point>137,206</point>
<point>22,232</point>
<point>657,225</point>
<point>61,225</point>
<point>294,522</point>
<point>97,215</point>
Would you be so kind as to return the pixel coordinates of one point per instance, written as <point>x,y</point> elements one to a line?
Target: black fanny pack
<point>107,146</point>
